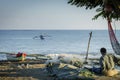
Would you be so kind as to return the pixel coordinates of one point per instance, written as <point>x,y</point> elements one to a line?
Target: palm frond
<point>98,15</point>
<point>99,5</point>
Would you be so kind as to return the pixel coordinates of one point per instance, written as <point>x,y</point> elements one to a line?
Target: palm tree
<point>105,8</point>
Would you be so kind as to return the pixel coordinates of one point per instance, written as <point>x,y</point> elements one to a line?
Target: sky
<point>47,14</point>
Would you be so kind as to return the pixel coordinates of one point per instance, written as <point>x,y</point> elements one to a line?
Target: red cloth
<point>21,54</point>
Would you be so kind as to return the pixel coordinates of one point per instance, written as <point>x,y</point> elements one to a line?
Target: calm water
<point>56,41</point>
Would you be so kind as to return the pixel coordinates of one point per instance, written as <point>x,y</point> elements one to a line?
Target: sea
<point>55,41</point>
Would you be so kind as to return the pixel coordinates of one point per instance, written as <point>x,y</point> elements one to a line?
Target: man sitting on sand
<point>107,63</point>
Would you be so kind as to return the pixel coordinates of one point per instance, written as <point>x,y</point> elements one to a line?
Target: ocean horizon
<point>55,41</point>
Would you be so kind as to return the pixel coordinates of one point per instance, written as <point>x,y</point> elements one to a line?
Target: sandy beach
<point>36,70</point>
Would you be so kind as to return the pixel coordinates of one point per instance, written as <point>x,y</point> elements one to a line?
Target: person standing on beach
<point>107,63</point>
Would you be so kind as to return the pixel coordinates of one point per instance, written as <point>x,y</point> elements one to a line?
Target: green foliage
<point>89,4</point>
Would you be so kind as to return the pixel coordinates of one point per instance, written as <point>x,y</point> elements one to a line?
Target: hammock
<point>114,42</point>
